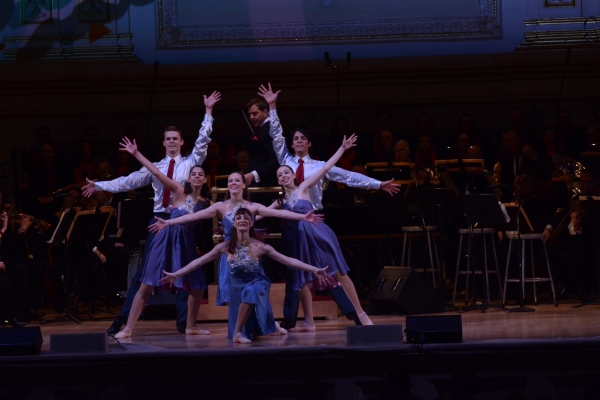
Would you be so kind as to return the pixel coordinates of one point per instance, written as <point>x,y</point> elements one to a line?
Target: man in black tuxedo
<point>263,162</point>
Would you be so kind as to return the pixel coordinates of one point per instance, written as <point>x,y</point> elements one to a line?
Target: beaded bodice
<point>241,260</point>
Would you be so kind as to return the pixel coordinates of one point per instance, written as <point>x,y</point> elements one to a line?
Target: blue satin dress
<point>172,249</point>
<point>317,245</point>
<point>249,284</point>
<point>223,287</point>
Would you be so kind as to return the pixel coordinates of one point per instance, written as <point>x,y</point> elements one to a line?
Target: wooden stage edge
<point>557,346</point>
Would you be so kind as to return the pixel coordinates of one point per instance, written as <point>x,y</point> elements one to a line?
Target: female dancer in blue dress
<point>250,312</point>
<point>174,248</point>
<point>316,244</point>
<point>238,198</point>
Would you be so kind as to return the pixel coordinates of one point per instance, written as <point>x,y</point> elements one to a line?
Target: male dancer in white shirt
<point>301,142</point>
<point>176,167</point>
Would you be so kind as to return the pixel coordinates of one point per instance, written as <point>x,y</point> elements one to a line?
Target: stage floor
<point>546,322</point>
<point>552,351</point>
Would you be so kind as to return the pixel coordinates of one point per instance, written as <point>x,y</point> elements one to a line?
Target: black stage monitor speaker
<point>402,290</point>
<point>79,343</point>
<point>21,341</point>
<point>433,329</point>
<point>374,335</point>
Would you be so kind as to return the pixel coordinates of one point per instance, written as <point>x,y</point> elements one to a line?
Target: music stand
<point>483,210</point>
<point>75,227</point>
<point>438,203</point>
<point>389,211</point>
<point>591,206</point>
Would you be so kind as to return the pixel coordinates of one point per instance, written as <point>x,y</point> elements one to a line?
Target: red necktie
<point>167,192</point>
<point>300,172</point>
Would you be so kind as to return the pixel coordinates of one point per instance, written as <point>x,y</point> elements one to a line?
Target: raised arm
<point>292,262</point>
<point>198,262</point>
<point>285,214</point>
<point>275,130</point>
<point>198,154</point>
<point>207,213</point>
<point>314,179</point>
<point>131,148</point>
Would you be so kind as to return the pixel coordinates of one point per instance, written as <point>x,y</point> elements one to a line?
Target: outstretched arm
<point>314,179</point>
<point>207,213</point>
<point>272,212</point>
<point>198,262</point>
<point>292,262</point>
<point>131,148</point>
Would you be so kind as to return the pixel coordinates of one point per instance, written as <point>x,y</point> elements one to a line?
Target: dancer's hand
<point>320,273</point>
<point>267,94</point>
<point>89,189</point>
<point>210,101</point>
<point>168,278</point>
<point>350,142</point>
<point>390,187</point>
<point>313,218</point>
<point>158,226</point>
<point>128,146</point>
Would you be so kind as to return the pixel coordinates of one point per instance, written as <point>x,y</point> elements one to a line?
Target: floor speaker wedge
<point>21,341</point>
<point>402,290</point>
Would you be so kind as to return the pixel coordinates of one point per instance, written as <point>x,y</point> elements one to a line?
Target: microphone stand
<point>521,256</point>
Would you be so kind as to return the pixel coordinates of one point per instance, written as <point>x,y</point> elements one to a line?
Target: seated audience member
<point>125,164</point>
<point>425,157</point>
<point>386,148</point>
<point>91,135</point>
<point>242,158</point>
<point>384,123</point>
<point>551,143</point>
<point>402,151</point>
<point>50,176</point>
<point>463,142</point>
<point>84,163</point>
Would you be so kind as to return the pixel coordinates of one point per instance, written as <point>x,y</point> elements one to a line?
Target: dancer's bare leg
<point>309,322</point>
<point>350,290</point>
<point>194,301</point>
<point>139,302</point>
<point>244,312</point>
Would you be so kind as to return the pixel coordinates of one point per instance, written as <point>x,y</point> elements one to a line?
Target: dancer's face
<point>172,143</point>
<point>235,183</point>
<point>300,144</point>
<point>242,222</point>
<point>285,176</point>
<point>197,177</point>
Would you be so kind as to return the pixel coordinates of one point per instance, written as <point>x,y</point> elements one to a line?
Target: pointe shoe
<point>280,330</point>
<point>304,327</point>
<point>364,319</point>
<point>239,338</point>
<point>196,331</point>
<point>124,334</point>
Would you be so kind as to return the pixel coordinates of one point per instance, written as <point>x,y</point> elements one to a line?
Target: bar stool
<point>408,232</point>
<point>514,236</point>
<point>489,232</point>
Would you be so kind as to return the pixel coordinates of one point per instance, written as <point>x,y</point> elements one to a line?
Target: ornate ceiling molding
<point>172,35</point>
